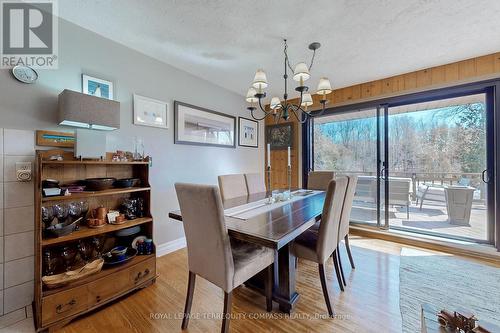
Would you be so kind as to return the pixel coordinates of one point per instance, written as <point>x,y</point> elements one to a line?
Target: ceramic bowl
<point>119,252</point>
<point>99,184</point>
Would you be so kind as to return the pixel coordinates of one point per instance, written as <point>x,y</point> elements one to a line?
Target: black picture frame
<point>280,136</point>
<point>202,110</point>
<point>240,132</point>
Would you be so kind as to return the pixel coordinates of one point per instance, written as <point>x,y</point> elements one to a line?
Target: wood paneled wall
<point>475,69</point>
<point>279,159</point>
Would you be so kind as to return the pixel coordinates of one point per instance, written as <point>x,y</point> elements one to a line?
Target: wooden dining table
<point>276,229</point>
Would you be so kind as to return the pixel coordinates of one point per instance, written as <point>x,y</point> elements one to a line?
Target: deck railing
<point>438,178</point>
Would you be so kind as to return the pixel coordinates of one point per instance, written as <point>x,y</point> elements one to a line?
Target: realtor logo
<point>29,33</point>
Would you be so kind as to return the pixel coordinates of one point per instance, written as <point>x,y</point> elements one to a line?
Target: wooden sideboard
<point>55,308</point>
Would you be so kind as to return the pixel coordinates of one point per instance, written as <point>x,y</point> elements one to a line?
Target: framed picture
<point>97,87</point>
<point>248,132</point>
<point>55,139</point>
<point>198,126</point>
<point>280,136</point>
<point>150,112</point>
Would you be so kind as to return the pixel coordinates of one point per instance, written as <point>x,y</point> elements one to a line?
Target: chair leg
<point>348,248</point>
<point>189,299</point>
<point>337,270</point>
<point>408,211</point>
<point>341,269</point>
<point>269,288</point>
<point>322,277</point>
<point>228,298</point>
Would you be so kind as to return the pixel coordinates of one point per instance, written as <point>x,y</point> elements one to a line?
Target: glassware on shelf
<point>74,209</point>
<point>61,212</point>
<point>49,263</point>
<point>85,249</point>
<point>84,206</point>
<point>68,255</point>
<point>98,243</point>
<point>138,149</point>
<point>47,215</point>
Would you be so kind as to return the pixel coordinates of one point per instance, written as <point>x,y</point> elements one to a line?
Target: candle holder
<point>269,191</point>
<point>289,180</point>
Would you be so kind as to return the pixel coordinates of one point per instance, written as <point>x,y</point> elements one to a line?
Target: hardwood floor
<point>369,304</point>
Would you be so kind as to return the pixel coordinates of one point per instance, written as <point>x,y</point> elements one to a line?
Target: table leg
<point>285,294</point>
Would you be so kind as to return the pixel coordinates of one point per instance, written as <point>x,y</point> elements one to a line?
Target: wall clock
<point>25,74</point>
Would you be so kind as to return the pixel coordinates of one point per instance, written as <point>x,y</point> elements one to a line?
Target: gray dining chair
<point>318,247</point>
<point>255,183</point>
<point>212,254</point>
<point>344,223</point>
<point>318,180</point>
<point>232,186</point>
<point>343,229</point>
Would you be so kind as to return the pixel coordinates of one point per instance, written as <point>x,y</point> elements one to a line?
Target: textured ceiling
<point>226,41</point>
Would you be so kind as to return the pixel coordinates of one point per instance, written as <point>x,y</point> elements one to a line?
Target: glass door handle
<point>382,173</point>
<point>485,176</point>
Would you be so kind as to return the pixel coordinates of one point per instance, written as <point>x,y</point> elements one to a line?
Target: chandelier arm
<point>263,109</point>
<point>303,115</point>
<point>256,118</point>
<point>320,113</point>
<point>300,102</point>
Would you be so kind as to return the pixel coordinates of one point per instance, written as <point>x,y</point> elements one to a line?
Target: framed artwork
<point>55,139</point>
<point>194,125</point>
<point>150,112</point>
<point>280,136</point>
<point>248,132</point>
<point>97,87</point>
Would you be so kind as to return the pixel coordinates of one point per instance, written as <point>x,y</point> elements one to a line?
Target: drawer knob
<point>65,307</point>
<point>141,275</point>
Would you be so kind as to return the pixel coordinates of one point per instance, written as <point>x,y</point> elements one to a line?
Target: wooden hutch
<point>54,308</point>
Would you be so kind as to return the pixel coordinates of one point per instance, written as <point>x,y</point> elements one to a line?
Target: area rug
<point>446,282</point>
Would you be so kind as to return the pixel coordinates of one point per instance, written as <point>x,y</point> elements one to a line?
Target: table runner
<point>252,209</point>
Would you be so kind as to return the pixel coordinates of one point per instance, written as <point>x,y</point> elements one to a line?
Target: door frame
<point>492,90</point>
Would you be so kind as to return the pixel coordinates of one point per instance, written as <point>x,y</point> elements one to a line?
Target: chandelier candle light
<point>289,171</point>
<point>282,109</point>
<point>268,171</point>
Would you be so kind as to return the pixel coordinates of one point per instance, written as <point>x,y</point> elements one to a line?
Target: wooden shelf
<point>87,194</point>
<point>95,162</point>
<point>105,271</point>
<point>103,286</point>
<point>89,232</point>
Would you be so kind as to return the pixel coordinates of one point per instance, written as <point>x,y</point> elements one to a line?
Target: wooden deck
<point>432,218</point>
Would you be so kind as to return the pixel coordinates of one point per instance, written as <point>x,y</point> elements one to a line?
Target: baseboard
<point>170,247</point>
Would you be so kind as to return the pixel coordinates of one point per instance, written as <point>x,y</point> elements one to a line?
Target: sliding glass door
<point>346,143</point>
<point>424,165</point>
<point>437,166</point>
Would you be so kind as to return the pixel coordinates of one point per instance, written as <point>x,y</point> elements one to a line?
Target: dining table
<point>273,224</point>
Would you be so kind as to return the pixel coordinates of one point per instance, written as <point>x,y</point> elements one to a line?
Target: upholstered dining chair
<point>318,180</point>
<point>318,247</point>
<point>343,229</point>
<point>232,186</point>
<point>344,222</point>
<point>211,253</point>
<point>255,183</point>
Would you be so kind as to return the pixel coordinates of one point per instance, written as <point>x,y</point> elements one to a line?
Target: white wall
<point>80,51</point>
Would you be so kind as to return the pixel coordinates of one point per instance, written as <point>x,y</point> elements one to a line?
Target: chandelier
<point>281,109</point>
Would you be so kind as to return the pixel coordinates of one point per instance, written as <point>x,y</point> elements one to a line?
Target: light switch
<point>23,171</point>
